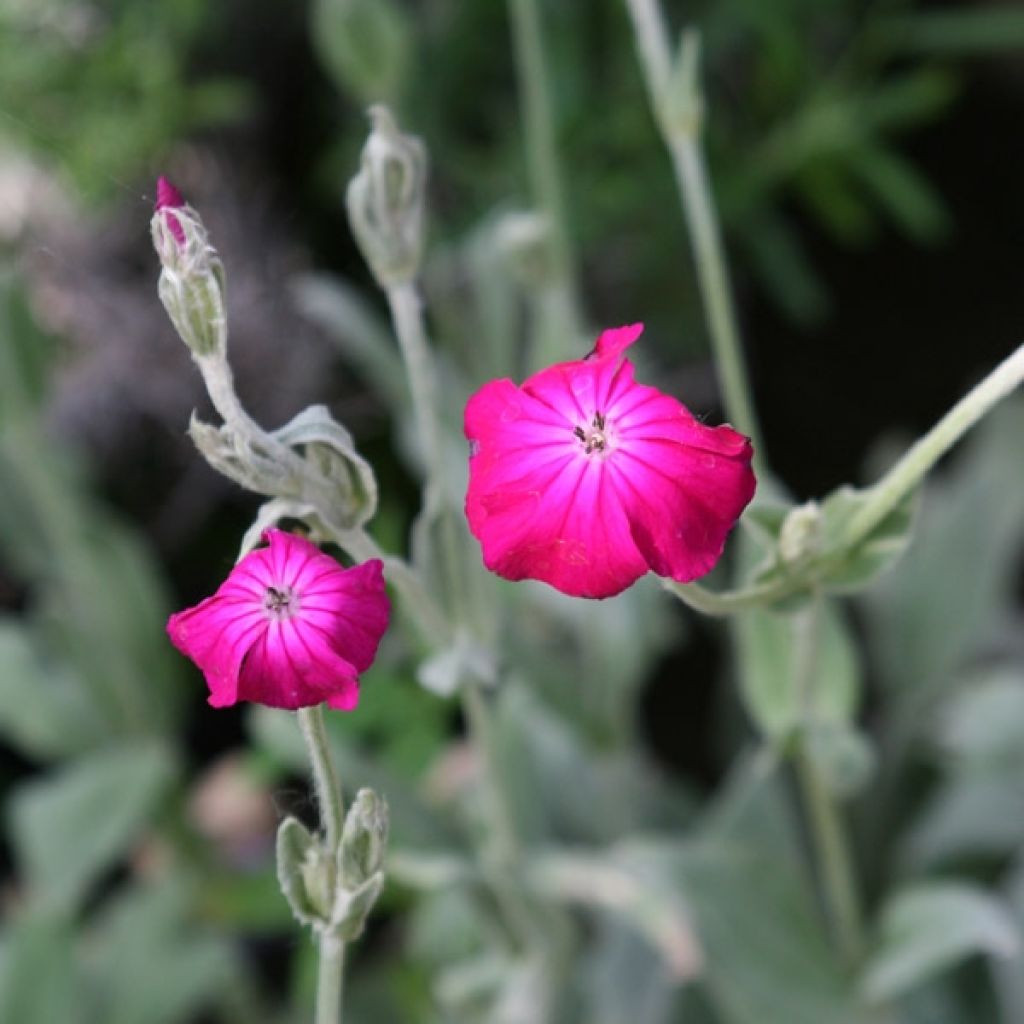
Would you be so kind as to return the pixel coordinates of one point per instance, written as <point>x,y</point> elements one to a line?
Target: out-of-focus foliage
<point>94,90</point>
<point>660,900</point>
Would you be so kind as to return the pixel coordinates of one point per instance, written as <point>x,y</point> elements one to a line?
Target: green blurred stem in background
<point>675,97</point>
<point>542,156</point>
<point>503,860</point>
<point>838,880</point>
<point>328,797</point>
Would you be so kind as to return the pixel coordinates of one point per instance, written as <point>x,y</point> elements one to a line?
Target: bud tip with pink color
<point>169,198</point>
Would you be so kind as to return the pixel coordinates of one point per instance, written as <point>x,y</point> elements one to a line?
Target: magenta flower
<point>169,198</point>
<point>586,480</point>
<point>288,628</point>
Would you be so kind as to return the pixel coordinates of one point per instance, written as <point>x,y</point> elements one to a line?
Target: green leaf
<point>331,448</point>
<point>844,756</point>
<point>365,45</point>
<point>854,569</point>
<point>71,826</point>
<point>770,653</point>
<point>146,962</point>
<point>909,199</point>
<point>926,620</point>
<point>45,712</point>
<point>983,725</point>
<point>37,982</point>
<point>929,928</point>
<point>297,852</point>
<point>766,956</point>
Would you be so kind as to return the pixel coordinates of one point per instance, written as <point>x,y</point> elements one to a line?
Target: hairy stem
<point>330,980</point>
<point>332,817</point>
<point>325,780</point>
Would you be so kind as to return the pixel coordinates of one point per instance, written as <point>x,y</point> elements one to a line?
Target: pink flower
<point>169,198</point>
<point>585,479</point>
<point>288,628</point>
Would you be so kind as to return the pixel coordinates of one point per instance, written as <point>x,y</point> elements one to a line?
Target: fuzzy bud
<point>192,285</point>
<point>801,534</point>
<point>386,201</point>
<point>364,839</point>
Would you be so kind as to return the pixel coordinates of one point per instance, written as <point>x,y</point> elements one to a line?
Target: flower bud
<point>192,285</point>
<point>801,534</point>
<point>363,839</point>
<point>386,201</point>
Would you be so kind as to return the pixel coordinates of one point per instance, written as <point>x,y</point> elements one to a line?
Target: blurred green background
<point>867,160</point>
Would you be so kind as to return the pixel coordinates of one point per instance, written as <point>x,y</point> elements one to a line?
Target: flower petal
<point>292,666</point>
<point>305,652</point>
<point>540,508</point>
<point>683,485</point>
<point>217,634</point>
<point>349,607</point>
<point>584,479</point>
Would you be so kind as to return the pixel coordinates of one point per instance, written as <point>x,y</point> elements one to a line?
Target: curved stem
<point>911,469</point>
<point>728,602</point>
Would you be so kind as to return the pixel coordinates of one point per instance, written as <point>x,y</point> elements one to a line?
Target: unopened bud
<point>386,200</point>
<point>192,285</point>
<point>363,840</point>
<point>800,536</point>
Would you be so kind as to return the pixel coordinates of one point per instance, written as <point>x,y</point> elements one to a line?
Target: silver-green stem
<point>504,857</point>
<point>921,456</point>
<point>680,131</point>
<point>541,151</point>
<point>832,854</point>
<point>407,317</point>
<point>835,870</point>
<point>330,980</point>
<point>325,781</point>
<point>332,817</point>
<point>728,602</point>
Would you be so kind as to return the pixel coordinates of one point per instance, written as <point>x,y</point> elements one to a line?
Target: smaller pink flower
<point>169,198</point>
<point>586,480</point>
<point>288,628</point>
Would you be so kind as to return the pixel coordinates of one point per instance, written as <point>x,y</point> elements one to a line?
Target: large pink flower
<point>585,479</point>
<point>288,628</point>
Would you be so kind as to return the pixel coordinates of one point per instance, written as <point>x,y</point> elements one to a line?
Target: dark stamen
<point>276,600</point>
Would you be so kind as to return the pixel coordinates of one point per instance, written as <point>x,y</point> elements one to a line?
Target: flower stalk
<point>678,106</point>
<point>544,172</point>
<point>330,966</point>
<point>916,462</point>
<point>832,853</point>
